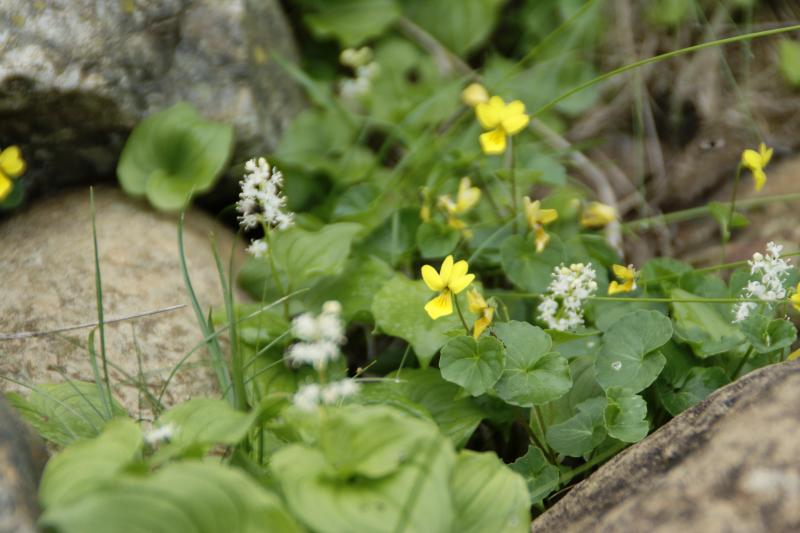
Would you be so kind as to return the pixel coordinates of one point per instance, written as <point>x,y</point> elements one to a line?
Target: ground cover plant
<point>444,334</point>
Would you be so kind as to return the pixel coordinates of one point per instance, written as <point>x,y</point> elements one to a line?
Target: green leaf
<point>351,22</point>
<point>628,358</point>
<point>308,254</point>
<point>436,240</point>
<point>790,61</point>
<point>459,28</point>
<point>703,327</point>
<point>625,415</point>
<point>399,310</point>
<point>64,412</point>
<point>205,421</point>
<point>395,238</point>
<point>315,141</point>
<point>582,433</point>
<point>85,465</point>
<point>533,375</point>
<point>476,366</point>
<point>768,335</point>
<point>698,384</point>
<point>414,497</point>
<point>173,154</point>
<point>488,495</point>
<point>542,477</point>
<point>189,497</point>
<point>525,267</point>
<point>354,288</point>
<point>721,213</point>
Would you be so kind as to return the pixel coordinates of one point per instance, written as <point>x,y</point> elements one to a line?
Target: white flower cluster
<point>160,434</point>
<point>261,201</point>
<point>309,396</point>
<point>320,336</point>
<point>365,69</point>
<point>562,307</point>
<point>772,271</point>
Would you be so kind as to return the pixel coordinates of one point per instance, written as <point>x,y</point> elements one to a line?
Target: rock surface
<point>47,273</point>
<point>729,464</point>
<point>76,75</point>
<point>22,459</point>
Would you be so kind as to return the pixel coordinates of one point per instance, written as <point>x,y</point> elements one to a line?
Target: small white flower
<point>309,396</point>
<point>320,336</point>
<point>772,272</point>
<point>561,307</point>
<point>160,434</point>
<point>260,200</point>
<point>258,248</point>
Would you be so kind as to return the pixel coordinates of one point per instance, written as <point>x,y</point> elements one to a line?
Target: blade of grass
<point>98,283</point>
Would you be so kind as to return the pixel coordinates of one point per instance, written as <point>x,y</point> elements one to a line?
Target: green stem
<point>536,415</point>
<point>634,299</point>
<point>273,267</point>
<point>513,176</point>
<point>726,232</point>
<point>697,212</point>
<point>460,315</point>
<point>741,364</point>
<point>661,57</point>
<point>594,461</point>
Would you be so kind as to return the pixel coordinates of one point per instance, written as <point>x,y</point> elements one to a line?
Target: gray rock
<point>47,273</point>
<point>729,464</point>
<point>22,459</point>
<point>76,75</point>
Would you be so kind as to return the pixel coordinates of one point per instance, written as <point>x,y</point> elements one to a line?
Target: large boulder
<point>729,464</point>
<point>48,281</point>
<point>22,459</point>
<point>76,75</point>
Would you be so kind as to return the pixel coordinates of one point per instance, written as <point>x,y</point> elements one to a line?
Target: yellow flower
<point>597,215</point>
<point>503,120</point>
<point>538,218</point>
<point>11,166</point>
<point>479,306</point>
<point>627,275</point>
<point>451,279</point>
<point>795,298</point>
<point>474,94</point>
<point>466,199</point>
<point>755,162</point>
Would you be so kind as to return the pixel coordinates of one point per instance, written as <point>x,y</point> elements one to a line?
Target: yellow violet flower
<point>598,215</point>
<point>755,162</point>
<point>451,279</point>
<point>627,275</point>
<point>479,306</point>
<point>503,120</point>
<point>795,298</point>
<point>474,94</point>
<point>466,198</point>
<point>11,166</point>
<point>538,218</point>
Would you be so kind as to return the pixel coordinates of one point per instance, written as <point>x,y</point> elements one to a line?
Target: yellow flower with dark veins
<point>795,298</point>
<point>598,215</point>
<point>479,306</point>
<point>474,94</point>
<point>451,279</point>
<point>755,162</point>
<point>502,120</point>
<point>537,219</point>
<point>627,275</point>
<point>11,166</point>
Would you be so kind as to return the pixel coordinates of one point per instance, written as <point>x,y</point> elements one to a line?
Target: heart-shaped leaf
<point>476,366</point>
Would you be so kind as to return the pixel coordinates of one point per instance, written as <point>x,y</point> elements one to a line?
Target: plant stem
<point>632,299</point>
<point>513,176</point>
<point>741,363</point>
<point>536,416</point>
<point>594,461</point>
<point>460,315</point>
<point>274,268</point>
<point>726,232</point>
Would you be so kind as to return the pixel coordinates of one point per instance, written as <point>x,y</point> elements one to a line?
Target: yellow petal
<point>11,162</point>
<point>476,301</point>
<point>459,284</point>
<point>459,269</point>
<point>795,298</point>
<point>440,306</point>
<point>546,216</point>
<point>446,270</point>
<point>514,108</point>
<point>759,178</point>
<point>490,113</point>
<point>5,187</point>
<point>542,238</point>
<point>614,288</point>
<point>493,142</point>
<point>467,197</point>
<point>431,278</point>
<point>482,323</point>
<point>474,94</point>
<point>531,212</point>
<point>456,223</point>
<point>515,123</point>
<point>751,159</point>
<point>765,153</point>
<point>425,212</point>
<point>622,272</point>
<point>597,215</point>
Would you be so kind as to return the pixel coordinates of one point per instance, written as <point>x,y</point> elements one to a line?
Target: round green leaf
<point>625,415</point>
<point>542,477</point>
<point>580,434</point>
<point>533,375</point>
<point>436,240</point>
<point>703,326</point>
<point>525,267</point>
<point>627,358</point>
<point>476,366</point>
